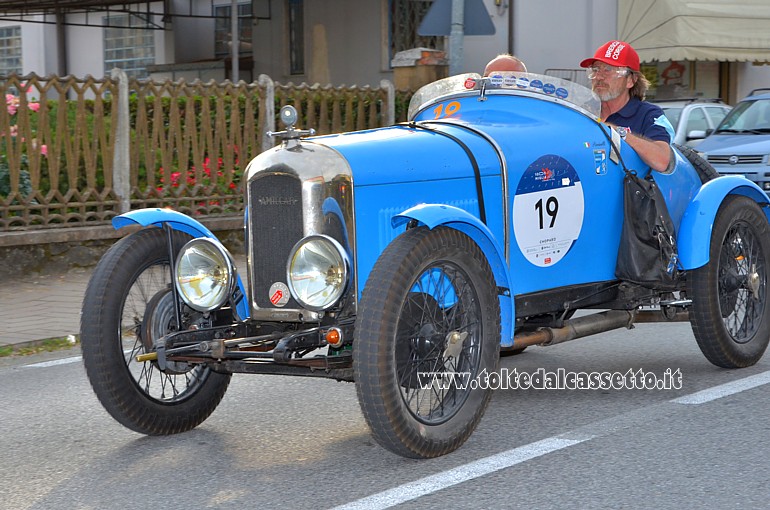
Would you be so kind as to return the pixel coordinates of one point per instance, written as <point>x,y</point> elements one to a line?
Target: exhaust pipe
<point>577,328</point>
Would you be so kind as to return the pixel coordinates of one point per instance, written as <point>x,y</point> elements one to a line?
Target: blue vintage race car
<point>408,258</point>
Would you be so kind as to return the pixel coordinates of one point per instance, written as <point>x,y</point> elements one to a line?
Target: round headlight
<point>317,272</point>
<point>204,274</point>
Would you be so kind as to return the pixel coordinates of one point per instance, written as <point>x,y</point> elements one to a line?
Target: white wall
<point>750,77</point>
<point>545,34</point>
<point>558,35</point>
<point>480,49</point>
<point>85,49</point>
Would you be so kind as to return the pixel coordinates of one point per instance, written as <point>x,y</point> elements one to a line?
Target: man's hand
<point>656,153</point>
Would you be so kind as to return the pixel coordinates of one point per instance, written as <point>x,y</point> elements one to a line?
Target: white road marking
<point>434,483</point>
<point>487,465</point>
<point>439,481</point>
<point>724,390</point>
<point>62,361</point>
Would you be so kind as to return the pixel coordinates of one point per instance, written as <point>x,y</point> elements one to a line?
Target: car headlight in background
<point>317,272</point>
<point>204,274</point>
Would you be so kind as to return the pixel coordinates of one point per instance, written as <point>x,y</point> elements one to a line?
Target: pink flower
<point>34,107</point>
<point>43,147</point>
<point>12,102</point>
<point>14,130</point>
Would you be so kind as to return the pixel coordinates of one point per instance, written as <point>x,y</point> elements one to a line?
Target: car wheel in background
<point>705,171</point>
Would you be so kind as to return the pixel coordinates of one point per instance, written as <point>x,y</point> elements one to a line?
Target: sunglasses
<point>619,72</point>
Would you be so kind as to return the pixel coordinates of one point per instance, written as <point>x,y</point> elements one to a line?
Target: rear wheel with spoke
<point>730,312</point>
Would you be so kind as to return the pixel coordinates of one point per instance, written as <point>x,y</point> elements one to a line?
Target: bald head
<point>505,63</point>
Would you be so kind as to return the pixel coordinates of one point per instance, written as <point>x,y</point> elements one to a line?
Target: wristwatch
<point>623,132</point>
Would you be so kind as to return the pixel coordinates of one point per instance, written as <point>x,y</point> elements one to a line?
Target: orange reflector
<point>740,257</point>
<point>333,336</point>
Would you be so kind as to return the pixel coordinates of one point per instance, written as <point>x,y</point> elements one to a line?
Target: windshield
<point>554,88</point>
<point>750,117</point>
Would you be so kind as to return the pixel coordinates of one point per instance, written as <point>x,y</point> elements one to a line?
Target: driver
<point>616,78</point>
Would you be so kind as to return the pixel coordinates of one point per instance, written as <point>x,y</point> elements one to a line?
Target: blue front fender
<point>157,217</point>
<point>434,215</point>
<point>694,236</point>
<point>178,221</point>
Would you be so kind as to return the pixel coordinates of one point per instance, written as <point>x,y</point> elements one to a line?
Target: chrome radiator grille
<point>275,225</point>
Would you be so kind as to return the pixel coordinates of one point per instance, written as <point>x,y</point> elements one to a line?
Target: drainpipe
<point>456,34</point>
<point>511,44</point>
<point>61,44</point>
<point>235,39</point>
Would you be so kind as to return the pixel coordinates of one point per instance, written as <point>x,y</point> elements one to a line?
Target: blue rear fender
<point>158,217</point>
<point>694,237</point>
<point>435,215</point>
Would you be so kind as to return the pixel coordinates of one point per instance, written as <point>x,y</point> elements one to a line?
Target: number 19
<point>551,208</point>
<point>451,109</point>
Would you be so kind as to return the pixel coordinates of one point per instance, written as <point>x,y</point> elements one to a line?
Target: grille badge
<point>733,160</point>
<point>277,201</point>
<point>279,294</point>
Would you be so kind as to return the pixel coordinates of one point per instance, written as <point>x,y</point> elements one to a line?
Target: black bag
<point>647,254</point>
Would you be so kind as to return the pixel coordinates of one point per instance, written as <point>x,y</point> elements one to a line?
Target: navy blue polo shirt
<point>643,118</point>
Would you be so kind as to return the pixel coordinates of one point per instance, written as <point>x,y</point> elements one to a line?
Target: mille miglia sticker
<point>279,294</point>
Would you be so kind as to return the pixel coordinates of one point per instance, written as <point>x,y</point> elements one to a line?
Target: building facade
<point>353,43</point>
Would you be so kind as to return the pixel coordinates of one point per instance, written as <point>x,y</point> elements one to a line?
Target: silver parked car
<point>741,143</point>
<point>693,119</point>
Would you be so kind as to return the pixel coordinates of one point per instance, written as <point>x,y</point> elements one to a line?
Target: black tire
<point>730,313</point>
<point>127,299</point>
<point>706,172</point>
<point>427,289</point>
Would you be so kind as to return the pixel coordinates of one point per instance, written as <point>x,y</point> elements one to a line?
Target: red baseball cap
<point>615,53</point>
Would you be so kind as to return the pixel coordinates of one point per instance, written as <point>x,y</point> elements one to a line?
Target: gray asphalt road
<point>278,442</point>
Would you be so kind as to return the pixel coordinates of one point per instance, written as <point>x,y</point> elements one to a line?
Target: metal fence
<point>77,152</point>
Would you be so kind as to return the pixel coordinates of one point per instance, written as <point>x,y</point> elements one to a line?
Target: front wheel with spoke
<point>427,336</point>
<point>128,305</point>
<point>730,313</point>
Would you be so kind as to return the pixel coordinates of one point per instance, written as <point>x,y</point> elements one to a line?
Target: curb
<point>16,348</point>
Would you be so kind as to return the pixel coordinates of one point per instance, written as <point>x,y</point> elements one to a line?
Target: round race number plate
<point>548,210</point>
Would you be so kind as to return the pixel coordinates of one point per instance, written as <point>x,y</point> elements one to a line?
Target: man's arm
<point>656,153</point>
